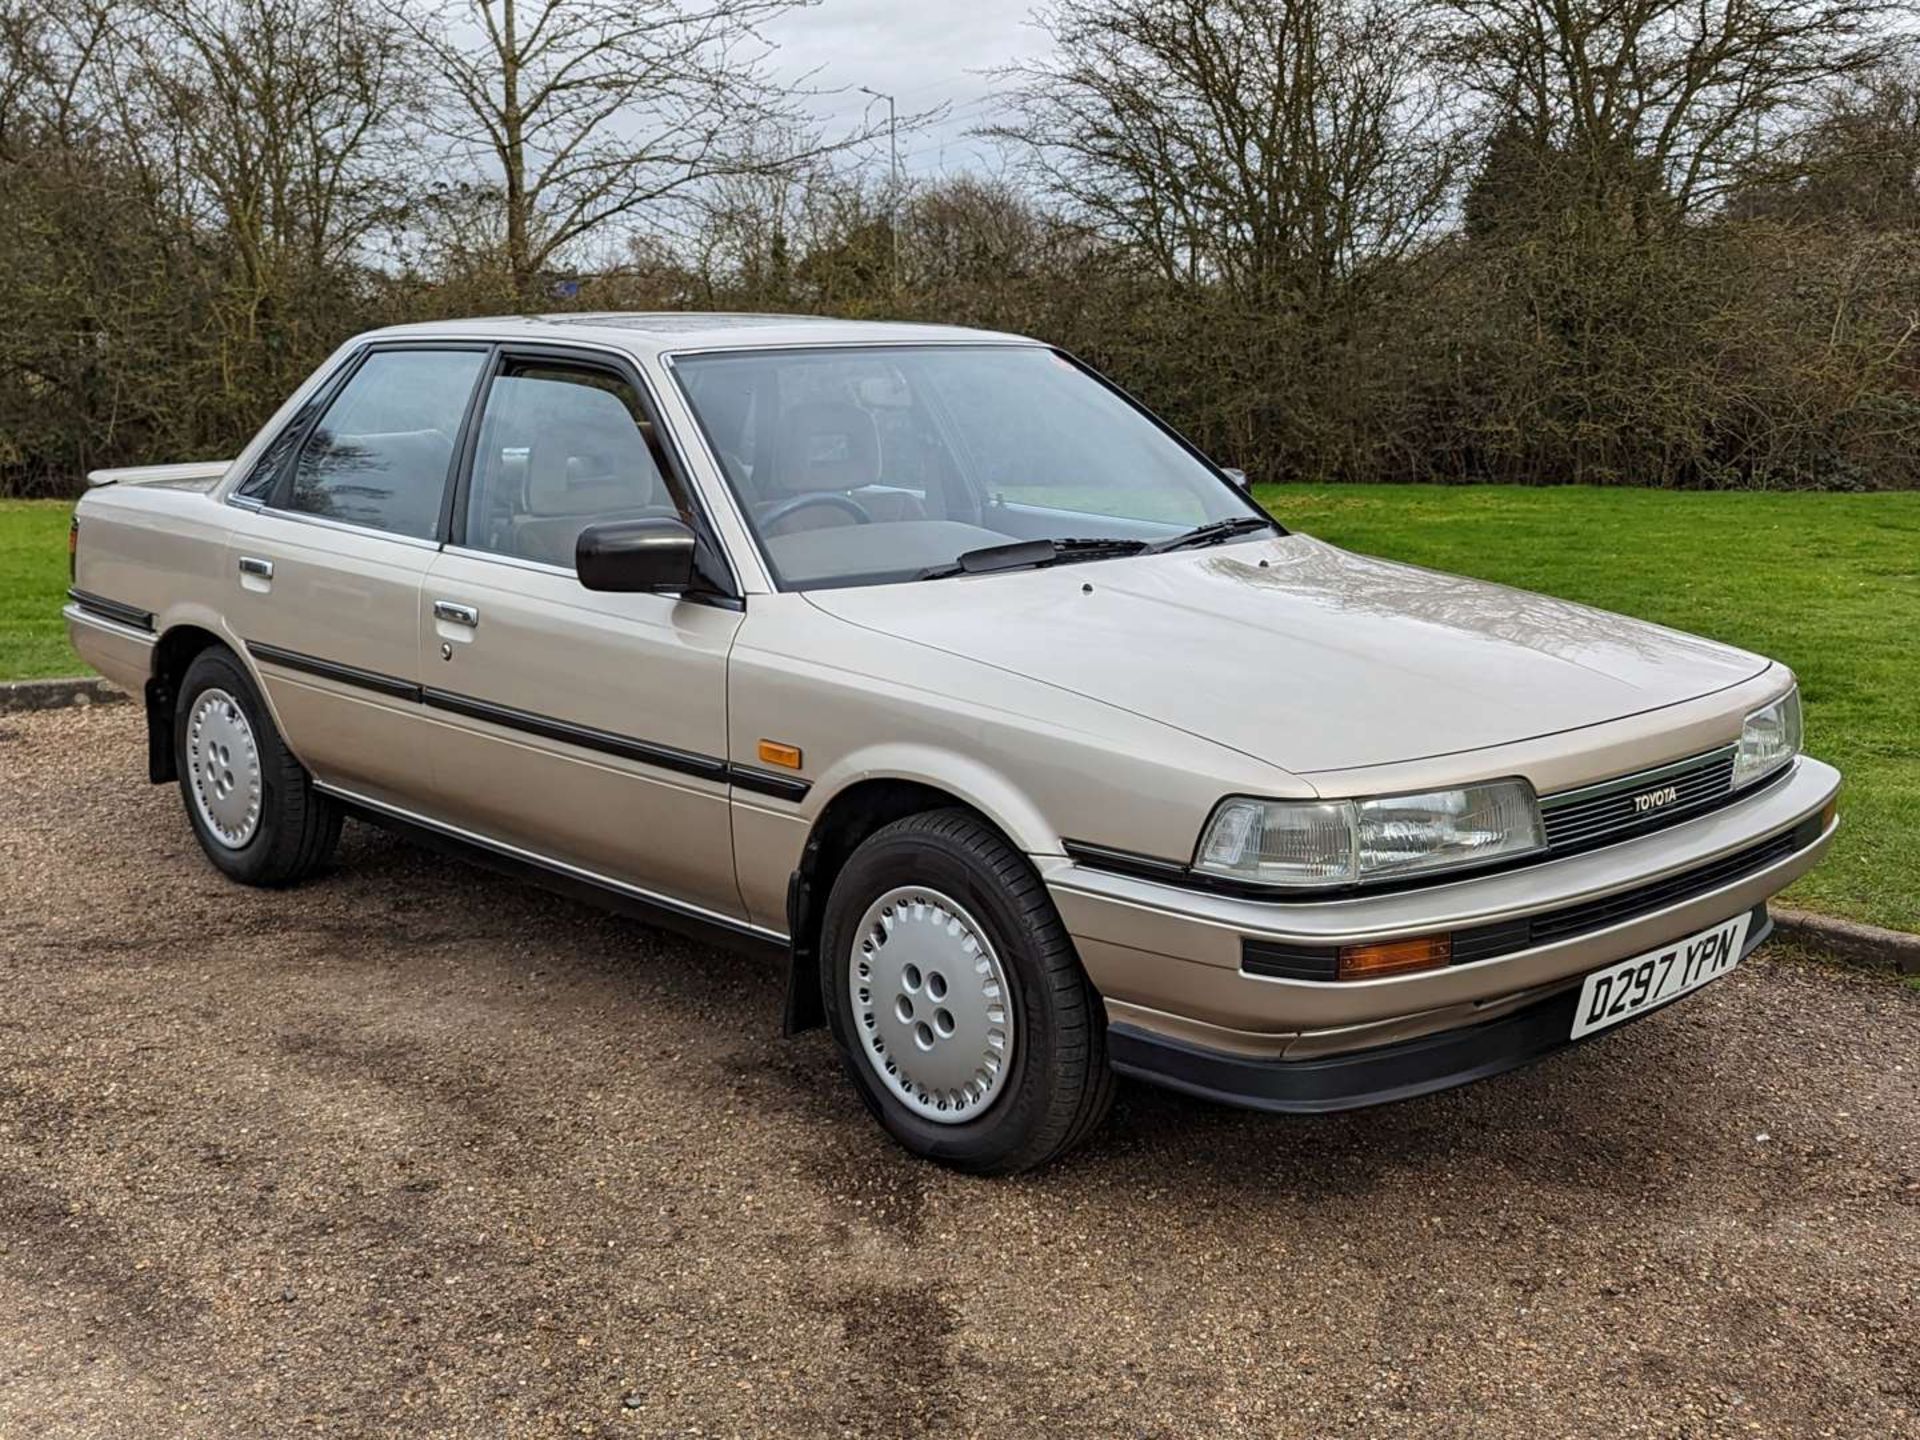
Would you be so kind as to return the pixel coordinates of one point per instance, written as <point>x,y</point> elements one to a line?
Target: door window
<point>561,447</point>
<point>381,454</point>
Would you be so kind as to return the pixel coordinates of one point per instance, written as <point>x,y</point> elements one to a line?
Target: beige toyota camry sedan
<point>931,662</point>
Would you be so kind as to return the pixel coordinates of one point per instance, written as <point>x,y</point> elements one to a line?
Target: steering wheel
<point>793,504</point>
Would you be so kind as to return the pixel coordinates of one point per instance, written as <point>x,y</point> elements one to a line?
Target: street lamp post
<point>893,179</point>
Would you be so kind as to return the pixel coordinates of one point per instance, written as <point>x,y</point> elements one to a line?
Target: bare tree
<point>271,132</point>
<point>1857,162</point>
<point>587,112</point>
<point>53,55</point>
<point>1269,143</point>
<point>752,223</point>
<point>970,230</point>
<point>285,120</point>
<point>25,65</point>
<point>1687,96</point>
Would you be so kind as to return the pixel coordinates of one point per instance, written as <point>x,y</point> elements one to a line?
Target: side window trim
<point>278,498</point>
<point>453,511</point>
<point>464,440</point>
<point>295,432</point>
<point>674,470</point>
<point>281,491</point>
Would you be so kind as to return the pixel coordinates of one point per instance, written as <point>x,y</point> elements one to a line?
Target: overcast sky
<point>926,52</point>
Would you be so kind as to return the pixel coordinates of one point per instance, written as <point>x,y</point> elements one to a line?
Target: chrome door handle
<point>252,565</point>
<point>455,614</point>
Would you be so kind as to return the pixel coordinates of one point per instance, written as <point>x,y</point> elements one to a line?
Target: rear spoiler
<point>196,475</point>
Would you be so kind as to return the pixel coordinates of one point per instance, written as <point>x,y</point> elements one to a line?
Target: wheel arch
<point>849,817</point>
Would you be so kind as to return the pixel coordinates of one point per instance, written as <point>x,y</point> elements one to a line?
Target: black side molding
<point>112,610</point>
<point>781,787</point>
<point>647,752</point>
<point>1128,862</point>
<point>331,670</point>
<point>661,757</point>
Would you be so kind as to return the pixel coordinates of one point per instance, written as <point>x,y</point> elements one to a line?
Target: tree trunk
<point>513,133</point>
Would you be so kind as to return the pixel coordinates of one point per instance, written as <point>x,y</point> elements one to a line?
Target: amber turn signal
<point>787,757</point>
<point>1394,957</point>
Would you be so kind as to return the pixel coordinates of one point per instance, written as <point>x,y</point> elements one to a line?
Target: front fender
<point>967,778</point>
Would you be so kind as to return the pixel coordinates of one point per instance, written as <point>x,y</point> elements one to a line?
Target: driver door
<point>583,727</point>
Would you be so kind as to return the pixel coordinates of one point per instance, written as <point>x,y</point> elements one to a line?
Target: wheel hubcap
<point>932,1005</point>
<point>223,768</point>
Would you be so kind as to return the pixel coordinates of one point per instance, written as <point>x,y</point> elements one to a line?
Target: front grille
<point>1506,937</point>
<point>1632,805</point>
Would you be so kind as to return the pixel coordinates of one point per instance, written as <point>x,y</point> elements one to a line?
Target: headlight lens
<point>1769,738</point>
<point>1280,842</point>
<point>1337,842</point>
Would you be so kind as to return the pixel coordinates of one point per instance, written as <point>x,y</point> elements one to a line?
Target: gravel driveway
<point>412,1150</point>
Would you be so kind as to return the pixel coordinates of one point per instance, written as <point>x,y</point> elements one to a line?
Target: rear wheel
<point>252,805</point>
<point>960,1007</point>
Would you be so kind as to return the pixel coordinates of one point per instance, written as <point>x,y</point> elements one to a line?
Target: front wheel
<point>253,806</point>
<point>959,1005</point>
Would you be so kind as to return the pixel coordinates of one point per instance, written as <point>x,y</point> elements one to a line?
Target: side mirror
<point>1239,477</point>
<point>635,556</point>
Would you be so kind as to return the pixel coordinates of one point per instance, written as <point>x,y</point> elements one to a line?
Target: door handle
<point>253,565</point>
<point>456,614</point>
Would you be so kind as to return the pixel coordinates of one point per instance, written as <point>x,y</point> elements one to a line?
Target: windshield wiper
<point>1031,554</point>
<point>1213,533</point>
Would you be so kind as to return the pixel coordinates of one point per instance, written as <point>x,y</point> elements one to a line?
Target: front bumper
<point>1169,961</point>
<point>1352,1080</point>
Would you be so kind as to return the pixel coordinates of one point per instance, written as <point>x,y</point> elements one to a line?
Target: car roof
<point>685,330</point>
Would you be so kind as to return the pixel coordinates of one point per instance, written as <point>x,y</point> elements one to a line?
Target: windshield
<point>863,466</point>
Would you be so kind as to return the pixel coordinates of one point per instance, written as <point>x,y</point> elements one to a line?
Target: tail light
<point>73,550</point>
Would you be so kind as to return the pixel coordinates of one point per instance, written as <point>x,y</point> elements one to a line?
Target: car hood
<point>1304,655</point>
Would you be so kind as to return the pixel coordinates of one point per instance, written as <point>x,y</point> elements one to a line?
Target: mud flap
<point>160,766</point>
<point>804,1008</point>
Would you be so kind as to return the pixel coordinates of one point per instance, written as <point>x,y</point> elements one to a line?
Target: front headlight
<point>1340,842</point>
<point>1769,738</point>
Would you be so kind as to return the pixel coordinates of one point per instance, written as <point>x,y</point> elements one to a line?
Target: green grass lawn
<point>1830,584</point>
<point>33,587</point>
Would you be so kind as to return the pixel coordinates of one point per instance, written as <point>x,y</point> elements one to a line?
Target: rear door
<point>583,727</point>
<point>340,520</point>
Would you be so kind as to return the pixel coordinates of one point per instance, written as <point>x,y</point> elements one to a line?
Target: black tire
<point>1060,1085</point>
<point>298,826</point>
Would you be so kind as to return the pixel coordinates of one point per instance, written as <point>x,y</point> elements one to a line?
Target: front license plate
<point>1633,987</point>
